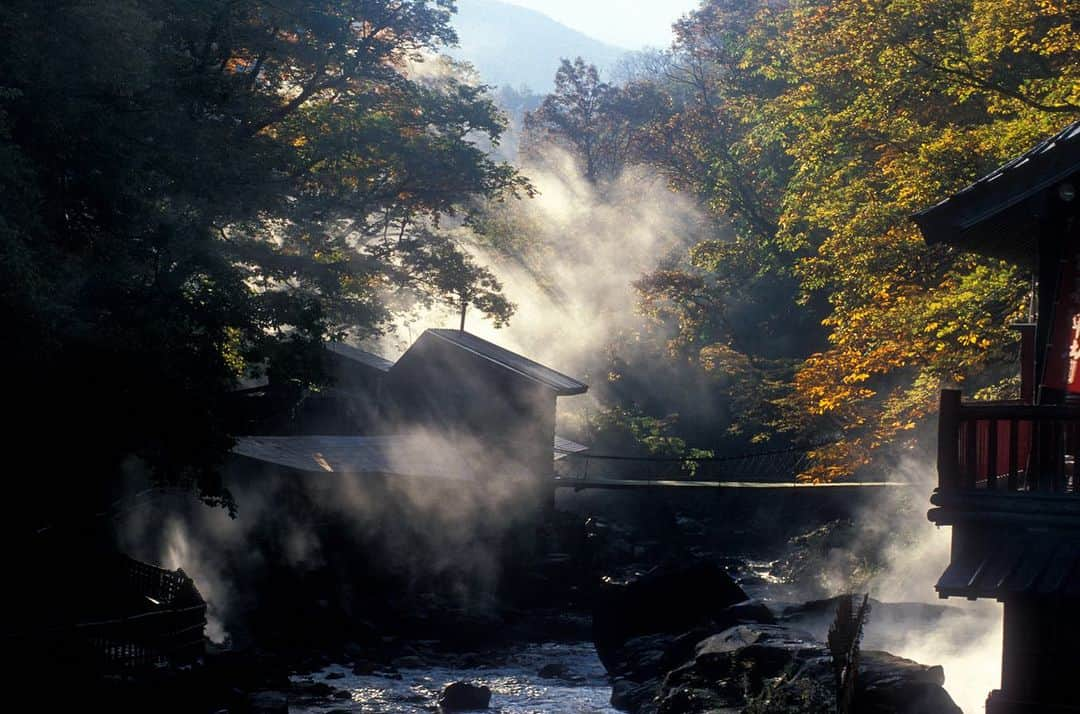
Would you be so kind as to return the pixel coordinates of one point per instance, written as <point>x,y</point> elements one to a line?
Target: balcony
<point>1009,485</point>
<point>1007,447</point>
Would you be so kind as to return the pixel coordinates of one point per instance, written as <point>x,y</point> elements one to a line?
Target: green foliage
<point>597,122</point>
<point>628,429</point>
<point>190,188</point>
<point>817,129</point>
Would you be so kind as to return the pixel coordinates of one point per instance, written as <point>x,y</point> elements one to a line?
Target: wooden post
<point>1045,442</point>
<point>992,455</point>
<point>969,474</point>
<point>948,440</point>
<point>1027,361</point>
<point>1014,454</point>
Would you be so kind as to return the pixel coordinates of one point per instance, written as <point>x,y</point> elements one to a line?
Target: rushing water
<point>516,687</point>
<point>958,638</point>
<point>512,675</point>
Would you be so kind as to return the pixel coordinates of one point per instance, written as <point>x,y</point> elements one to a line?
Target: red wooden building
<point>1009,485</point>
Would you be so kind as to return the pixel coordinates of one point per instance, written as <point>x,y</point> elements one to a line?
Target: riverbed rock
<point>888,684</point>
<point>268,703</point>
<point>364,667</point>
<point>763,666</point>
<point>410,662</point>
<point>553,670</point>
<point>666,600</point>
<point>464,696</point>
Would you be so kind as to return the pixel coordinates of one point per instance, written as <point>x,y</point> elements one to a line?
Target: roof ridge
<point>563,384</point>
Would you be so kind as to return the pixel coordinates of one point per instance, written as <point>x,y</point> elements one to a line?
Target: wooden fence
<point>1007,446</point>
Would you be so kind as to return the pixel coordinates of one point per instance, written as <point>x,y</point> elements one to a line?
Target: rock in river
<point>464,696</point>
<point>672,600</point>
<point>720,654</point>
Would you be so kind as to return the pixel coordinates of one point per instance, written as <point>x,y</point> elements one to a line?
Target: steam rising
<point>584,246</point>
<point>571,280</point>
<point>441,521</point>
<point>966,641</point>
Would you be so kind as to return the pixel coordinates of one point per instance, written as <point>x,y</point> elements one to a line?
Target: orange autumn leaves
<point>881,109</point>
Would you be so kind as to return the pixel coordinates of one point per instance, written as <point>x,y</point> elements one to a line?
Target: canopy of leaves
<point>814,129</point>
<point>192,188</point>
<point>597,122</point>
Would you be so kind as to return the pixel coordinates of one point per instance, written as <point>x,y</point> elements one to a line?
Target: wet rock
<point>363,668</point>
<point>464,696</point>
<point>644,657</point>
<point>469,660</point>
<point>750,665</point>
<point>335,675</point>
<point>747,611</point>
<point>268,703</point>
<point>730,669</point>
<point>671,600</point>
<point>309,688</point>
<point>630,696</point>
<point>893,685</point>
<point>410,662</point>
<point>553,670</point>
<point>693,699</point>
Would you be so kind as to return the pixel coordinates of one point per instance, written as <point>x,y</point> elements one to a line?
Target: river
<point>513,677</point>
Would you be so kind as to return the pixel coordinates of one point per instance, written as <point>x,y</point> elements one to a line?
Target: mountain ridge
<point>516,46</point>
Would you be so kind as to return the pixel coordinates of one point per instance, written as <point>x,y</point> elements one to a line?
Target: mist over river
<point>564,674</point>
<point>512,675</point>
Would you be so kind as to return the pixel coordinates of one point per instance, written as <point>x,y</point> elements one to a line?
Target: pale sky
<point>631,24</point>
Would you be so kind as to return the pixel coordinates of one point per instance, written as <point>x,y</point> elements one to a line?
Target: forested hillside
<point>810,132</point>
<point>513,46</point>
<point>192,191</point>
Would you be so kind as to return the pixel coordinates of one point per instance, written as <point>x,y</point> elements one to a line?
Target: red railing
<point>1007,446</point>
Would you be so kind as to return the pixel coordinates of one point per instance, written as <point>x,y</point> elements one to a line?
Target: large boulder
<point>888,684</point>
<point>764,667</point>
<point>748,663</point>
<point>671,600</point>
<point>464,696</point>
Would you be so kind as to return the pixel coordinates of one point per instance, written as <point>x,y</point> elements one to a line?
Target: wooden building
<point>488,410</point>
<point>453,380</point>
<point>1009,485</point>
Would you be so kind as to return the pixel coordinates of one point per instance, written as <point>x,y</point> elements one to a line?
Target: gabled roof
<point>561,384</point>
<point>991,215</point>
<point>355,354</point>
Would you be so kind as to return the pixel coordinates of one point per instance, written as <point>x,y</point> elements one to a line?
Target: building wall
<point>440,386</point>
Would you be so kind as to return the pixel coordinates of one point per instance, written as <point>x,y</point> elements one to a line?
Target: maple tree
<point>818,128</point>
<point>192,189</point>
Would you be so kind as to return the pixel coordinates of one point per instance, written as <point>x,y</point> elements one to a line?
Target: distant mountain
<point>515,46</point>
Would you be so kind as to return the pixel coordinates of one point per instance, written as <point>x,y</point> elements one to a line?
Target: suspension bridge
<point>767,470</point>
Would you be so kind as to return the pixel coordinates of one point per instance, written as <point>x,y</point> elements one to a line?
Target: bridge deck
<point>603,483</point>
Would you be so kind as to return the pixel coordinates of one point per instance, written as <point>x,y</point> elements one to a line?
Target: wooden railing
<point>1007,446</point>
